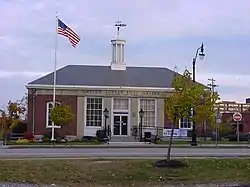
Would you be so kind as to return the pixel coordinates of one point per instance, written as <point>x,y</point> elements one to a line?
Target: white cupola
<point>118,45</point>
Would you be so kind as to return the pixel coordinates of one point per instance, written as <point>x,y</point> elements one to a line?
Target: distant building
<point>228,108</point>
<point>232,106</point>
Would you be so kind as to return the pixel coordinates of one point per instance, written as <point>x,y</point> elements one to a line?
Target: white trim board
<point>91,130</point>
<point>83,87</point>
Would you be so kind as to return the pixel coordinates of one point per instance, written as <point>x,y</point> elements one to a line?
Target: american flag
<point>64,30</point>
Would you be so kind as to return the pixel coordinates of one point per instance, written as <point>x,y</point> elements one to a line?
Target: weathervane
<point>175,69</point>
<point>118,25</point>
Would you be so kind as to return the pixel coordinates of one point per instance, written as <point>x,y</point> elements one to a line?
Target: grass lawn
<point>184,142</point>
<point>123,172</point>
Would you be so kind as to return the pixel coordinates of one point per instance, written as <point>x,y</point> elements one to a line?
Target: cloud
<point>235,95</point>
<point>179,18</point>
<point>17,75</point>
<point>234,87</point>
<point>228,80</point>
<point>172,18</point>
<point>158,33</point>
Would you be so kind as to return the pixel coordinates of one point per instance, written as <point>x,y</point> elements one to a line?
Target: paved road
<point>129,152</point>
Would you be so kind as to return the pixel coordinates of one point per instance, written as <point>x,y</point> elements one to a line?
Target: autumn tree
<point>23,103</point>
<point>187,96</point>
<point>225,127</point>
<point>10,116</point>
<point>62,115</point>
<point>5,124</point>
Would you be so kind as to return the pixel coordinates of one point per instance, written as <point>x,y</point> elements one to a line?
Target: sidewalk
<point>129,145</point>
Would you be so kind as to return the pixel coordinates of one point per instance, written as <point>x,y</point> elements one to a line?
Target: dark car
<point>233,137</point>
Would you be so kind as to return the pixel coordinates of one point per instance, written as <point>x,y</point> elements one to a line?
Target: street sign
<point>237,116</point>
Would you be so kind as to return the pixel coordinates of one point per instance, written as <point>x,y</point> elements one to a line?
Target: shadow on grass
<point>169,163</point>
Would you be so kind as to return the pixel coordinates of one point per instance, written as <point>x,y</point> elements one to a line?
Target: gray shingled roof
<point>103,76</point>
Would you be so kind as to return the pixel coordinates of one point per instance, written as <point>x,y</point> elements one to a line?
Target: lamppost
<point>203,98</point>
<point>218,121</point>
<point>201,55</point>
<point>106,115</point>
<point>141,114</point>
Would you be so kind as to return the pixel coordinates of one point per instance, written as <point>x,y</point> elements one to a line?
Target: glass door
<point>120,126</point>
<point>124,125</point>
<point>117,125</point>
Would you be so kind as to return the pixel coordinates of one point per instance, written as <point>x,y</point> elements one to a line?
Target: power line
<point>212,85</point>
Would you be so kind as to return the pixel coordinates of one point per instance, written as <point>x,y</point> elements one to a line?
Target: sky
<point>164,33</point>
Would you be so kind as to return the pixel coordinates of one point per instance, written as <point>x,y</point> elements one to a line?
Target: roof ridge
<point>89,65</point>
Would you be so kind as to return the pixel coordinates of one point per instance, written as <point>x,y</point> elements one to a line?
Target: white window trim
<point>47,115</point>
<point>118,110</point>
<point>125,111</point>
<point>139,108</point>
<point>85,113</point>
<point>156,113</point>
<point>186,128</point>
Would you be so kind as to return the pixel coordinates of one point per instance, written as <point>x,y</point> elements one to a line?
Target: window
<point>120,104</point>
<point>94,112</point>
<point>48,111</point>
<point>148,106</point>
<point>185,123</point>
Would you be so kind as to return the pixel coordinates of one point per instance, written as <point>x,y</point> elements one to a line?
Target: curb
<point>123,158</point>
<point>122,146</point>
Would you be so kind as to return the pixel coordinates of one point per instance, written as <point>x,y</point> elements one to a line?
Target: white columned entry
<point>120,117</point>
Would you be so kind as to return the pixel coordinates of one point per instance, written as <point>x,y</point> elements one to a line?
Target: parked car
<point>233,137</point>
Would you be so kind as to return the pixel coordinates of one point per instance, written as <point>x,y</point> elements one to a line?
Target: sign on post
<point>178,133</point>
<point>237,117</point>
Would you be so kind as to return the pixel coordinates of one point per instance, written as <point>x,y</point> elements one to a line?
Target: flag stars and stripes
<point>64,30</point>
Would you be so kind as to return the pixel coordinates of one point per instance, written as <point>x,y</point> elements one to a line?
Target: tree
<point>187,96</point>
<point>23,103</point>
<point>62,115</point>
<point>10,116</point>
<point>5,124</point>
<point>225,128</point>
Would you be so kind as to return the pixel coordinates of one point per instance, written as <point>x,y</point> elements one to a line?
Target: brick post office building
<point>90,89</point>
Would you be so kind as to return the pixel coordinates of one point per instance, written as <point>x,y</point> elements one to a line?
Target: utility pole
<point>212,85</point>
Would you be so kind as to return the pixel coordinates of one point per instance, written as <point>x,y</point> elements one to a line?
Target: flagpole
<point>54,85</point>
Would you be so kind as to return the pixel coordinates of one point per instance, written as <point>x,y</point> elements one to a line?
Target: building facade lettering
<point>123,93</point>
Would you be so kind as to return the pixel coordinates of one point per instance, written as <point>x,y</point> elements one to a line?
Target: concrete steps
<point>123,139</point>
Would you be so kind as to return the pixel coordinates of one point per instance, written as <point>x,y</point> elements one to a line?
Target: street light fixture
<point>201,55</point>
<point>141,114</point>
<point>106,115</point>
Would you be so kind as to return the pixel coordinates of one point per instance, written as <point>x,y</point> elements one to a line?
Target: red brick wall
<point>245,120</point>
<point>40,114</point>
<point>167,122</point>
<point>30,110</point>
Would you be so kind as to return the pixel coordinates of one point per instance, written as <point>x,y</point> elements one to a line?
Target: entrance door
<point>120,127</point>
